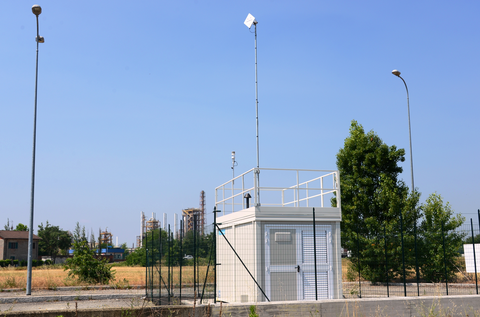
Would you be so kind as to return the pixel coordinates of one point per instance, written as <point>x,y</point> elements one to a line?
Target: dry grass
<point>51,278</point>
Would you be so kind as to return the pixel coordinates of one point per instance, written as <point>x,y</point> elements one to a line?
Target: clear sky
<point>140,103</point>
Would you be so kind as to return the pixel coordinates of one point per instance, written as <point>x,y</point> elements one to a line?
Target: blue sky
<point>141,103</point>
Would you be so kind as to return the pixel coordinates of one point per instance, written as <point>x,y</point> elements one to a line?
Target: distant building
<point>111,254</point>
<point>14,245</point>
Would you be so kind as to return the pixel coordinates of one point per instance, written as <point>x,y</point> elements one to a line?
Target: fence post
<point>315,253</point>
<point>359,275</point>
<point>444,257</point>
<point>160,249</point>
<point>474,256</point>
<point>403,257</point>
<point>146,271</point>
<point>386,257</point>
<point>194,256</point>
<point>180,262</point>
<point>169,264</point>
<point>416,254</point>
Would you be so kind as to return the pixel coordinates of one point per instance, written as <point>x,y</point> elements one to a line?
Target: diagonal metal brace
<point>231,247</point>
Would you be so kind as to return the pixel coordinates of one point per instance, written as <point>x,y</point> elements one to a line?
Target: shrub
<point>86,267</point>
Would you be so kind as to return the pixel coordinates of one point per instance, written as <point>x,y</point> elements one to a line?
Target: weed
<point>10,282</point>
<point>123,284</point>
<point>253,311</point>
<point>51,285</point>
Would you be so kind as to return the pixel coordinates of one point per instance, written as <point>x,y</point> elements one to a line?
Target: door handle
<point>298,268</point>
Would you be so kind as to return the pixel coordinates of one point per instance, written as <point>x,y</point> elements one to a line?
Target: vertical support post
<point>444,258</point>
<point>386,258</point>
<point>160,251</point>
<point>146,270</point>
<point>195,254</point>
<point>416,255</point>
<point>180,260</point>
<point>359,270</point>
<point>215,252</point>
<point>403,257</point>
<point>315,253</point>
<point>152,260</point>
<point>257,171</point>
<point>474,255</point>
<point>169,263</point>
<point>297,200</point>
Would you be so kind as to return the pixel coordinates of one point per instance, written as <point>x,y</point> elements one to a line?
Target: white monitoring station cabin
<point>265,245</point>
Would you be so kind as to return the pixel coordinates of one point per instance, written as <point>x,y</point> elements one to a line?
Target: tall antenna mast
<point>249,21</point>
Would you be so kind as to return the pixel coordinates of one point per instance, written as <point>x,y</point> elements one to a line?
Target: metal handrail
<point>226,193</point>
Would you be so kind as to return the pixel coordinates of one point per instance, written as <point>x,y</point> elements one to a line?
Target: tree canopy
<point>54,240</point>
<point>374,201</point>
<point>21,227</point>
<point>437,230</point>
<point>380,214</point>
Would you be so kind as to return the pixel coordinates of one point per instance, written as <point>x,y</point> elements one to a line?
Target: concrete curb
<point>66,298</point>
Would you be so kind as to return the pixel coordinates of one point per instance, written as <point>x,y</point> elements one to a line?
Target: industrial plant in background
<point>190,213</point>
<point>188,217</point>
<point>146,225</point>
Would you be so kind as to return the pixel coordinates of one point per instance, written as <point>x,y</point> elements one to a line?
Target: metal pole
<point>416,255</point>
<point>160,251</point>
<point>359,275</point>
<point>474,256</point>
<point>194,254</point>
<point>169,264</point>
<point>403,257</point>
<point>146,270</point>
<point>413,181</point>
<point>215,250</point>
<point>32,190</point>
<point>386,258</point>
<point>444,258</point>
<point>256,110</point>
<point>315,254</point>
<point>181,257</point>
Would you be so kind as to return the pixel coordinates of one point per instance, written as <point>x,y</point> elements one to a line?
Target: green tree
<point>438,228</point>
<point>86,267</point>
<point>53,240</point>
<point>21,227</point>
<point>373,201</point>
<point>79,233</point>
<point>137,257</point>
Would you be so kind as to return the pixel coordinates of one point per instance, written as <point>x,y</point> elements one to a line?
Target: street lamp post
<point>37,10</point>
<point>397,73</point>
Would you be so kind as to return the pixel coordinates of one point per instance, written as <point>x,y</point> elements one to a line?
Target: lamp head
<point>233,155</point>
<point>396,72</point>
<point>37,10</point>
